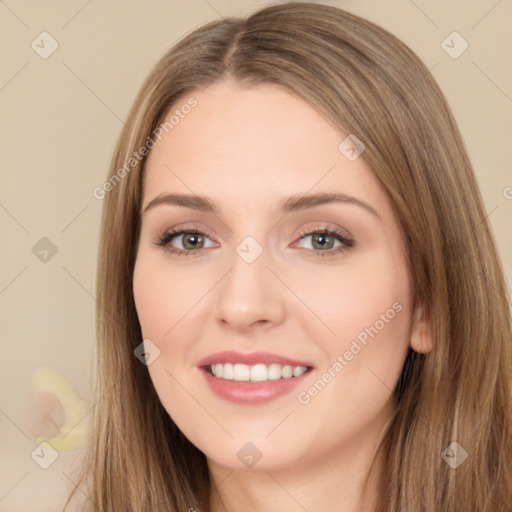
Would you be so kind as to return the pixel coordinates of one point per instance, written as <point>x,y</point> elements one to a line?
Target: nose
<point>250,295</point>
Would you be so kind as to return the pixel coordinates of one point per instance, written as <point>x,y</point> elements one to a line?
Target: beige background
<point>60,118</point>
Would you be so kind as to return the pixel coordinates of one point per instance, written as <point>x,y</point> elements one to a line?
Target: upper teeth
<point>256,373</point>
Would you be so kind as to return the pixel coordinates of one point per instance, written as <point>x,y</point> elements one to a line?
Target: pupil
<point>194,244</point>
<point>320,236</point>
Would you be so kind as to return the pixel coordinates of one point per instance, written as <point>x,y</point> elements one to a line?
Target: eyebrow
<point>287,205</point>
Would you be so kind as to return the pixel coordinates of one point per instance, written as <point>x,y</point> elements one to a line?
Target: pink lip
<point>250,392</point>
<point>252,358</point>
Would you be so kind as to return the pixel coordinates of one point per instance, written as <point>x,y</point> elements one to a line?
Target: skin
<point>247,149</point>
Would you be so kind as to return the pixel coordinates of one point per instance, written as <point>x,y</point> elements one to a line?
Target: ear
<point>421,332</point>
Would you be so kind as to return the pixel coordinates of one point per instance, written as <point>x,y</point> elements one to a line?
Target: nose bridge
<point>249,291</point>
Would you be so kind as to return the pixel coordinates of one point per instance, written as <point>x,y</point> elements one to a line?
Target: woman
<point>239,370</point>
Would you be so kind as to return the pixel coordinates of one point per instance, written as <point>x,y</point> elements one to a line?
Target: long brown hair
<point>368,83</point>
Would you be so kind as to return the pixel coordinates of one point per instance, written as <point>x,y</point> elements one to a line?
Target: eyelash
<point>346,243</point>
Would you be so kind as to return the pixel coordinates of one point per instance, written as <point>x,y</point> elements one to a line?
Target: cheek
<point>152,300</point>
<point>367,309</point>
<point>355,297</point>
<point>162,302</point>
<point>371,304</point>
<point>169,309</point>
<point>162,297</point>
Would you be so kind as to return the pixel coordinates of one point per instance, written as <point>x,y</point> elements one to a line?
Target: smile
<point>252,378</point>
<point>255,373</point>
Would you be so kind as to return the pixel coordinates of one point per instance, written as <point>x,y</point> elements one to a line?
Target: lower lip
<point>252,392</point>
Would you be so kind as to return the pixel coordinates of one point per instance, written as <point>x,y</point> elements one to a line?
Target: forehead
<point>246,144</point>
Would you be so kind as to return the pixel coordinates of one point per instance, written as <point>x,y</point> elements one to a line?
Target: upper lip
<point>250,358</point>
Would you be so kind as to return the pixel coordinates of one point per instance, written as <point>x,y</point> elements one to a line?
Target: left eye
<point>324,239</point>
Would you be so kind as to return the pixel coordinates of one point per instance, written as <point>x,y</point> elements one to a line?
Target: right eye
<point>192,241</point>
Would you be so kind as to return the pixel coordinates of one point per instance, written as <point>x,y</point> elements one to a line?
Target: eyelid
<point>178,231</point>
<point>326,226</point>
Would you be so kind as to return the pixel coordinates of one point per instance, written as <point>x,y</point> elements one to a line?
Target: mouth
<point>260,372</point>
<point>252,378</point>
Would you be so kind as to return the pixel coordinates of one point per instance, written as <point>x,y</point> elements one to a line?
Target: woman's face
<point>309,330</point>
